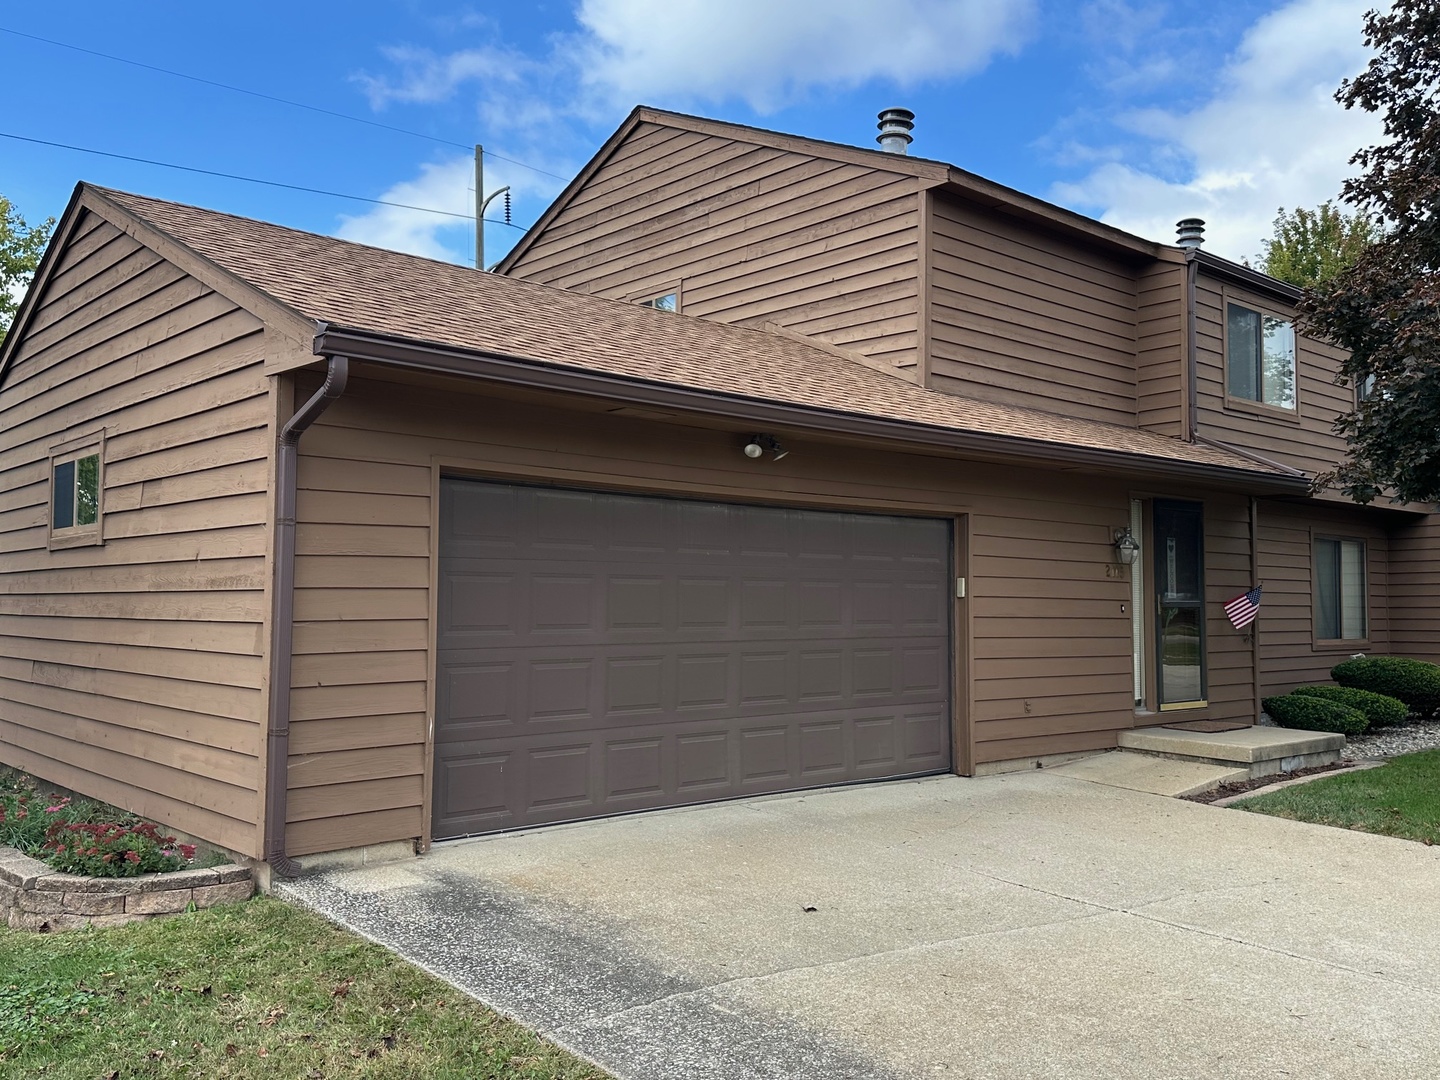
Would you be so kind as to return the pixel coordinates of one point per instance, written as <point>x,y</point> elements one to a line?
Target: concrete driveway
<point>1028,925</point>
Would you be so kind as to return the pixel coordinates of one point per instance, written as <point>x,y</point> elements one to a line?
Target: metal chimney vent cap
<point>1190,232</point>
<point>895,127</point>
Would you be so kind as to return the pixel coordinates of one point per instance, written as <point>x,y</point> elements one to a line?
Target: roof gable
<point>87,198</point>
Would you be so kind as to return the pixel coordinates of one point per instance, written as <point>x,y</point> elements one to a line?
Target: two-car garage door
<point>599,653</point>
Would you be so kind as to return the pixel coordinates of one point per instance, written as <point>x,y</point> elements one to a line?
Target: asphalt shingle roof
<point>407,297</point>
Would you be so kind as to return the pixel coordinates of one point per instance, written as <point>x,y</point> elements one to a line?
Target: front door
<point>1179,568</point>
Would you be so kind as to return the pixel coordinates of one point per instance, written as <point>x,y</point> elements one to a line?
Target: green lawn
<point>259,989</point>
<point>1400,798</point>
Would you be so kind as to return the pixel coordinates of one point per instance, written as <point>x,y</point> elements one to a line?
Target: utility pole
<point>479,207</point>
<point>481,202</point>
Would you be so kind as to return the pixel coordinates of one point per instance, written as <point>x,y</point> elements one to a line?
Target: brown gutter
<point>513,371</point>
<point>1240,451</point>
<point>282,635</point>
<point>1192,378</point>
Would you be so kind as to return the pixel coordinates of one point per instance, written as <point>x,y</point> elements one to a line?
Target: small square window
<point>1259,357</point>
<point>75,494</point>
<point>1341,603</point>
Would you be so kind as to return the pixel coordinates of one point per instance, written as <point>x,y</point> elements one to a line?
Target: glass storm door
<point>1179,532</point>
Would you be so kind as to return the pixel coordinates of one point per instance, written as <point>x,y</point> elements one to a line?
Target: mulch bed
<point>1240,787</point>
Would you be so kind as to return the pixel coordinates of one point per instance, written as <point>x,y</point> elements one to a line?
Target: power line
<point>254,180</point>
<point>279,100</point>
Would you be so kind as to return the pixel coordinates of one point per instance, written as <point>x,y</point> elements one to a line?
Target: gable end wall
<point>133,670</point>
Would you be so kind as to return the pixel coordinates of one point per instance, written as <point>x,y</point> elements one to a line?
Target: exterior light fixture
<point>1126,546</point>
<point>759,444</point>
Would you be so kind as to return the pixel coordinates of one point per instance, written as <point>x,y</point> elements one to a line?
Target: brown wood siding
<point>1303,440</point>
<point>1289,656</point>
<point>1023,317</point>
<point>1160,349</point>
<point>1051,656</point>
<point>1415,590</point>
<point>749,233</point>
<point>1231,675</point>
<point>133,670</point>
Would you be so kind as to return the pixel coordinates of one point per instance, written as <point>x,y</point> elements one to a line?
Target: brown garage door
<point>600,653</point>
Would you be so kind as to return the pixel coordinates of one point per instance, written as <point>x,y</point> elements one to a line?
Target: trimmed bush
<point>1379,710</point>
<point>1314,714</point>
<point>1414,682</point>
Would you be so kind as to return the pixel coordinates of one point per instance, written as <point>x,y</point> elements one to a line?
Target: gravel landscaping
<point>1392,741</point>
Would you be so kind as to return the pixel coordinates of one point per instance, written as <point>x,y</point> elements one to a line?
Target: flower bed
<point>34,896</point>
<point>101,867</point>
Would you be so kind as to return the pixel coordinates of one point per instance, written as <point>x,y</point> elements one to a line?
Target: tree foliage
<point>1312,246</point>
<point>20,249</point>
<point>1385,307</point>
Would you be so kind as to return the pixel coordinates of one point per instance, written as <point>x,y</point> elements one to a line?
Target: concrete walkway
<point>1015,926</point>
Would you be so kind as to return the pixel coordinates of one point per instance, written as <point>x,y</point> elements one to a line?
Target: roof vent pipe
<point>895,127</point>
<point>1190,232</point>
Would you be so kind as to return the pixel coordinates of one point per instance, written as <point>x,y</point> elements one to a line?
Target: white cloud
<point>426,77</point>
<point>769,54</point>
<point>448,186</point>
<point>1270,135</point>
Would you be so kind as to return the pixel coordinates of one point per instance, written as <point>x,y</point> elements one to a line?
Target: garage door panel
<point>600,653</point>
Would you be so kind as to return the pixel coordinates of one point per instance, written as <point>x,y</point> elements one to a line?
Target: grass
<point>1400,798</point>
<point>260,989</point>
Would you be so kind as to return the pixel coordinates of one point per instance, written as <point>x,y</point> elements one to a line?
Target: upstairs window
<point>669,301</point>
<point>1259,357</point>
<point>1340,592</point>
<point>75,493</point>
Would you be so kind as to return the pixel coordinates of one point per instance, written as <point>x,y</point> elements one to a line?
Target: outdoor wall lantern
<point>1126,546</point>
<point>758,444</point>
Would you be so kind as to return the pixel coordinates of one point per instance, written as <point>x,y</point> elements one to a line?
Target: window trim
<point>1322,644</point>
<point>649,296</point>
<point>1230,296</point>
<point>92,444</point>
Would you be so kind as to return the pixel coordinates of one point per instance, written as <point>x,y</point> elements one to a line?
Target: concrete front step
<point>1259,751</point>
<point>1145,772</point>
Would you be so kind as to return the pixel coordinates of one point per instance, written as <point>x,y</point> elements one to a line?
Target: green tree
<point>20,249</point>
<point>1312,246</point>
<point>1385,306</point>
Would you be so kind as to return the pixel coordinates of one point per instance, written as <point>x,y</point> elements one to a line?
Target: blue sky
<point>1132,111</point>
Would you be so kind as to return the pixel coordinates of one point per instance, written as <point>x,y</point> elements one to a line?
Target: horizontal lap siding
<point>827,249</point>
<point>1231,658</point>
<point>1415,595</point>
<point>1303,440</point>
<point>1160,349</point>
<point>1025,318</point>
<point>132,670</point>
<point>1288,654</point>
<point>1051,661</point>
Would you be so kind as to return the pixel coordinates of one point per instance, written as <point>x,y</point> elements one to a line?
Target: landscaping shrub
<point>1379,710</point>
<point>80,836</point>
<point>1314,714</point>
<point>1414,682</point>
<point>113,850</point>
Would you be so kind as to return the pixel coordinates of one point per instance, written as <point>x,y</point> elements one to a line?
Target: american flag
<point>1243,609</point>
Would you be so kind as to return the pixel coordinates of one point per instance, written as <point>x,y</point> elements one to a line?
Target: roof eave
<point>1245,275</point>
<point>362,345</point>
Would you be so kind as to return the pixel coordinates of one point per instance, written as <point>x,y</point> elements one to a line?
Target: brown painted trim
<point>962,702</point>
<point>282,639</point>
<point>432,665</point>
<point>30,302</point>
<point>1254,627</point>
<point>925,272</point>
<point>1247,406</point>
<point>360,345</point>
<point>1244,275</point>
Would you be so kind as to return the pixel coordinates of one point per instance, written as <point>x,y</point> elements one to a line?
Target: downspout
<point>1192,380</point>
<point>282,634</point>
